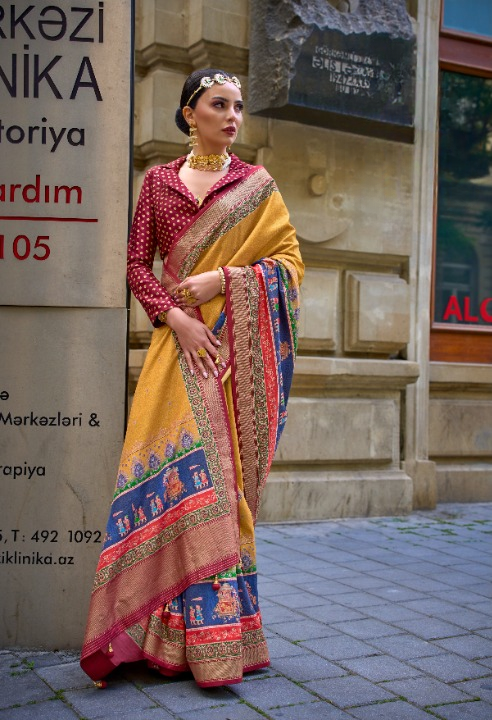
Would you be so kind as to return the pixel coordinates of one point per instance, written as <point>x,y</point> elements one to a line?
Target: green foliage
<point>452,243</point>
<point>465,149</point>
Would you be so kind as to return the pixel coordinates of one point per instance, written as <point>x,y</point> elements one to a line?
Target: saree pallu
<point>176,582</point>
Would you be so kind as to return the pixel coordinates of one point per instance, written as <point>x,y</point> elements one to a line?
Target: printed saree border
<point>100,601</point>
<point>217,219</point>
<point>207,401</point>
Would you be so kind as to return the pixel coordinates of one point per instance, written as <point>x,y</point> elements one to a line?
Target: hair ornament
<point>219,78</point>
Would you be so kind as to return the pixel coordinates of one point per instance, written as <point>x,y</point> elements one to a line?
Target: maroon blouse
<point>165,206</point>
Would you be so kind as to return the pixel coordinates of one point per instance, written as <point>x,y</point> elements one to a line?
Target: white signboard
<point>64,148</point>
<point>65,167</point>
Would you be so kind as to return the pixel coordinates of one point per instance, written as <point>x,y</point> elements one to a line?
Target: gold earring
<point>193,141</point>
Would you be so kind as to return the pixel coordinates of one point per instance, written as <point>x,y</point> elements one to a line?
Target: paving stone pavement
<point>373,619</point>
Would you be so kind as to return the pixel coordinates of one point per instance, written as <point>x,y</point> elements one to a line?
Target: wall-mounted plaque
<point>353,71</point>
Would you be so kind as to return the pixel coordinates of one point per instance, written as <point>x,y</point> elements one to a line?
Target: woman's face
<point>218,115</point>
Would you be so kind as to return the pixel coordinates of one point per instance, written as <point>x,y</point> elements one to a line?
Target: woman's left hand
<point>197,289</point>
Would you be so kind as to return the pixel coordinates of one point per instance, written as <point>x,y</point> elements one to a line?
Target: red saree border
<point>242,379</point>
<point>265,374</point>
<point>254,375</point>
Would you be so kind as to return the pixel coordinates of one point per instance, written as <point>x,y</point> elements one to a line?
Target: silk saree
<point>176,583</point>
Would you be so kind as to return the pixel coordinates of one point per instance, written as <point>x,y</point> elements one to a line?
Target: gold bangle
<point>162,316</point>
<point>222,280</point>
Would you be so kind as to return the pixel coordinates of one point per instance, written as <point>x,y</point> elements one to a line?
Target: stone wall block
<point>340,430</point>
<point>460,431</point>
<point>366,209</point>
<point>377,316</point>
<point>464,482</point>
<point>144,23</point>
<point>139,321</point>
<point>226,22</point>
<point>423,474</point>
<point>167,85</point>
<point>319,494</point>
<point>319,309</point>
<point>170,23</point>
<point>460,428</point>
<point>144,111</point>
<point>161,22</point>
<point>154,118</point>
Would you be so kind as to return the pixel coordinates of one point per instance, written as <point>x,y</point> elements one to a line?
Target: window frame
<point>471,55</point>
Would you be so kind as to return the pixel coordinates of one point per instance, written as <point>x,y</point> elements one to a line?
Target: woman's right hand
<point>193,335</point>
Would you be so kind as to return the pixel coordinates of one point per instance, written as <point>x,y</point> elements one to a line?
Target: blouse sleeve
<point>142,246</point>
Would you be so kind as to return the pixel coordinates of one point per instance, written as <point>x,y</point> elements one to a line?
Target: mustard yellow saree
<point>176,583</point>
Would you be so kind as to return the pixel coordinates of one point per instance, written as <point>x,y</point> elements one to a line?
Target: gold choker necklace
<point>208,162</point>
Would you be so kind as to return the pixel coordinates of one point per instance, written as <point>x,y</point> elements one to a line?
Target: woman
<point>176,582</point>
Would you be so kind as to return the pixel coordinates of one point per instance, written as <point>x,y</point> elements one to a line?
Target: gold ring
<point>185,292</point>
<point>201,352</point>
<point>218,359</point>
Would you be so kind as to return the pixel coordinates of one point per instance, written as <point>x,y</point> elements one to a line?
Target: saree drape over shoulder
<point>176,581</point>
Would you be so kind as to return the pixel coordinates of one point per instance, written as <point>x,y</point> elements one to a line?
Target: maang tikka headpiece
<point>207,82</point>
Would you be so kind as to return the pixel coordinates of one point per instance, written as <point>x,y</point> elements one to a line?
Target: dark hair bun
<point>181,122</point>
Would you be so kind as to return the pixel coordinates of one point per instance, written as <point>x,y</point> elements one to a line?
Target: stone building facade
<point>375,425</point>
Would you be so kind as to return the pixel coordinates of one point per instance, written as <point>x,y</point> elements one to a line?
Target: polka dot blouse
<point>165,206</point>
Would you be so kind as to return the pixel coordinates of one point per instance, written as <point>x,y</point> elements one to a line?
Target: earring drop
<point>193,141</point>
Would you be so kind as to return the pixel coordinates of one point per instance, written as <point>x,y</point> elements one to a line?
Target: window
<point>471,16</point>
<point>462,302</point>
